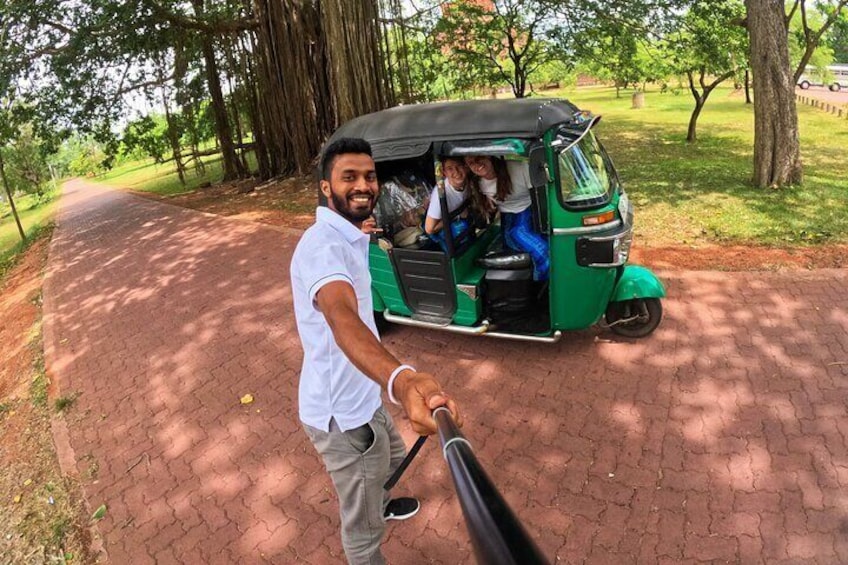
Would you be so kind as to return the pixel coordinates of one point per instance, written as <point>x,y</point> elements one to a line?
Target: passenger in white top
<point>344,364</point>
<point>457,181</point>
<point>505,186</point>
<point>515,201</point>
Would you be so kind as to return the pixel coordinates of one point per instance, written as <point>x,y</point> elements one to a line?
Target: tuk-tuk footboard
<point>481,330</point>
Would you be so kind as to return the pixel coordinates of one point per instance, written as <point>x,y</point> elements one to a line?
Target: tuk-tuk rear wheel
<point>381,322</point>
<point>634,318</point>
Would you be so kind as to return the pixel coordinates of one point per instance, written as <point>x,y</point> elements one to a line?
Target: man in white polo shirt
<point>345,367</point>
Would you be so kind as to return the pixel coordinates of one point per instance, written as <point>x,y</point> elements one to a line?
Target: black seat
<point>506,260</point>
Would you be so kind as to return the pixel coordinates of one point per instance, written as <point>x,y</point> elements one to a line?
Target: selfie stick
<point>496,533</point>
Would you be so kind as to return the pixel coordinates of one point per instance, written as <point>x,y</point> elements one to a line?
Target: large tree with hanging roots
<point>274,77</point>
<point>296,70</point>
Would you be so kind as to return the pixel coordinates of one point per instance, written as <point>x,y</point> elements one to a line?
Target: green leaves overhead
<point>504,41</point>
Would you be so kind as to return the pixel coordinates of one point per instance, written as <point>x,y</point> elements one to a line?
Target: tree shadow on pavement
<point>719,437</point>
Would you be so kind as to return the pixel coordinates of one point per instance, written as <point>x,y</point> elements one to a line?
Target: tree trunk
<point>174,139</point>
<point>691,134</point>
<point>352,44</point>
<point>285,88</point>
<point>747,86</point>
<point>777,148</point>
<point>700,97</point>
<point>173,134</point>
<point>11,200</point>
<point>255,111</point>
<point>235,100</point>
<point>521,75</point>
<point>317,65</point>
<point>231,163</point>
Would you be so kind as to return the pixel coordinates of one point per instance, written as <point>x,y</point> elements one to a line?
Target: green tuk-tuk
<point>477,286</point>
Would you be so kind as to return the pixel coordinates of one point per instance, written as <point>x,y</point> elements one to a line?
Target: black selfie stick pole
<point>496,533</point>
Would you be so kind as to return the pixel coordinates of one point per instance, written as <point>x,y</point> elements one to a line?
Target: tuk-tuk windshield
<point>586,174</point>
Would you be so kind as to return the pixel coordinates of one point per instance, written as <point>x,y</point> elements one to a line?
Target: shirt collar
<point>340,224</point>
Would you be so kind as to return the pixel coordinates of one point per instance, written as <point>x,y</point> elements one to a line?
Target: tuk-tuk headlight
<point>621,247</point>
<point>612,250</point>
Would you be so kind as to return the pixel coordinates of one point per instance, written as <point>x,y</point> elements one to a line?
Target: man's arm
<point>419,393</point>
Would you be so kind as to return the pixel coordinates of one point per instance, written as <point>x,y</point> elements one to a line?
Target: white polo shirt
<point>333,249</point>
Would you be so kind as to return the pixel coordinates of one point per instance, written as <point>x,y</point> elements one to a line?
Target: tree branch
<point>213,26</point>
<point>719,80</point>
<point>695,93</point>
<point>791,13</point>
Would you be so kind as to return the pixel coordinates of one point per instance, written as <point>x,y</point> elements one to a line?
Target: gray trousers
<point>359,462</point>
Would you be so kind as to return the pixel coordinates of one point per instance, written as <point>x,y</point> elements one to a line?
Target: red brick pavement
<point>722,437</point>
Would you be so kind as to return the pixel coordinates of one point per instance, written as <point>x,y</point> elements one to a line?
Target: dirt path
<point>42,518</point>
<point>722,437</point>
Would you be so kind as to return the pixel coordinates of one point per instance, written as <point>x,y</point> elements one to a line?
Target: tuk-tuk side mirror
<point>539,178</point>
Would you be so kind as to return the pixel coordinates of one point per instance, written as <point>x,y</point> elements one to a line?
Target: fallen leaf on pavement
<point>99,513</point>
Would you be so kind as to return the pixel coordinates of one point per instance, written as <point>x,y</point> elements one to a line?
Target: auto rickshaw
<point>477,285</point>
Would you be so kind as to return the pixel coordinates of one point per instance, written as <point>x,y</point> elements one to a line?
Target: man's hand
<point>420,394</point>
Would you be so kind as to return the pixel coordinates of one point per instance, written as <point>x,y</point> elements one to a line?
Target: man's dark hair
<point>340,147</point>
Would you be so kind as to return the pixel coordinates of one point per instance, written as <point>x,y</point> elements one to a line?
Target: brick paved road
<point>721,437</point>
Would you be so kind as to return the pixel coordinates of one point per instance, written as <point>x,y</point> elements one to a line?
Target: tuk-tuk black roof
<point>408,131</point>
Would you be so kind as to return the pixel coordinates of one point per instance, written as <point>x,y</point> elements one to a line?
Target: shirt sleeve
<point>519,174</point>
<point>435,209</point>
<point>325,264</point>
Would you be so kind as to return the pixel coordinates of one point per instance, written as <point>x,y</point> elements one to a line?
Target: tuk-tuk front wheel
<point>634,318</point>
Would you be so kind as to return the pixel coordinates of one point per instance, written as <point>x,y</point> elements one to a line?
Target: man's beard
<point>342,206</point>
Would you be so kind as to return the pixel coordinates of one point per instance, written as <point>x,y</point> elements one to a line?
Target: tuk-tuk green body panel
<point>592,286</point>
<point>377,301</point>
<point>386,291</point>
<point>384,285</point>
<point>638,282</point>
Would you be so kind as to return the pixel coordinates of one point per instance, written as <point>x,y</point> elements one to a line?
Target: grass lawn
<point>147,176</point>
<point>34,217</point>
<point>697,193</point>
<point>685,194</point>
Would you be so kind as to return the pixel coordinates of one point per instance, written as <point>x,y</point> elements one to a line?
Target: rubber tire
<point>383,325</point>
<point>616,311</point>
<point>804,85</point>
<point>834,87</point>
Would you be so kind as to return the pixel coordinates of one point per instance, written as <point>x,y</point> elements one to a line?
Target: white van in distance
<point>836,81</point>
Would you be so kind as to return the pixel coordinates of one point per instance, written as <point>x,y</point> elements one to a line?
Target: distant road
<point>825,95</point>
